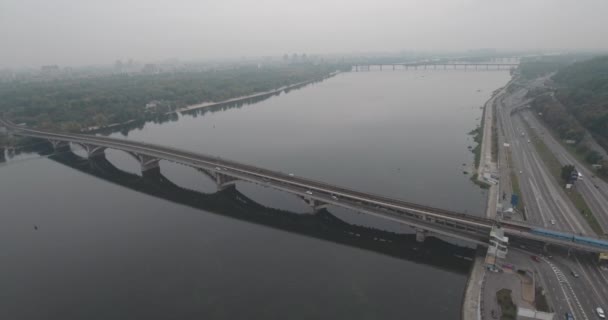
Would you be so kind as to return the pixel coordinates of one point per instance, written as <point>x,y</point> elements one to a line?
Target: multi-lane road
<point>547,205</point>
<point>545,202</point>
<point>593,189</point>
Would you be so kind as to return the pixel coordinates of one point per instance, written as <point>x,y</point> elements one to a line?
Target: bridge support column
<point>223,181</point>
<point>93,150</point>
<point>316,205</point>
<point>420,235</point>
<point>60,146</point>
<point>146,162</point>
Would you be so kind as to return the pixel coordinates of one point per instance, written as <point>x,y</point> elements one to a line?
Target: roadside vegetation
<point>494,134</point>
<point>579,104</point>
<point>540,300</point>
<point>535,67</point>
<point>72,104</point>
<point>508,308</point>
<point>477,134</point>
<point>556,169</point>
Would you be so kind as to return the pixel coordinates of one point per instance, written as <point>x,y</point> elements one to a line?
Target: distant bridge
<point>435,65</point>
<point>318,195</point>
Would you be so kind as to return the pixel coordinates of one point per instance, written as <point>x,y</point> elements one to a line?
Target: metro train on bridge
<point>595,242</point>
<point>570,237</point>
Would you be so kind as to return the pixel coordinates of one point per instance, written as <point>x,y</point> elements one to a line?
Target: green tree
<point>593,157</point>
<point>567,172</point>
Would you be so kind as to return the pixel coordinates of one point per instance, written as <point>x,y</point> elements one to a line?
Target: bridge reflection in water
<point>323,225</point>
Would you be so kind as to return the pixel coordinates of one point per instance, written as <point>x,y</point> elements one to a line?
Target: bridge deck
<point>440,221</point>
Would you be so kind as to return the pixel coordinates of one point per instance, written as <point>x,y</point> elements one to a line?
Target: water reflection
<point>323,225</point>
<point>125,128</point>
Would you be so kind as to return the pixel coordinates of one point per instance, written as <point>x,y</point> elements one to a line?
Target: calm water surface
<point>104,251</point>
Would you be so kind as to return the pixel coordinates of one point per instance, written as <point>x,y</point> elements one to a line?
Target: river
<point>100,242</point>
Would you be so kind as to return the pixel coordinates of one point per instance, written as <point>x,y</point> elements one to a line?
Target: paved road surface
<point>594,190</point>
<point>546,204</point>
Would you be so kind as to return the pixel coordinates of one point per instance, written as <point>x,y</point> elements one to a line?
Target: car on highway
<point>535,258</point>
<point>552,221</point>
<point>569,316</point>
<point>291,174</point>
<point>574,274</point>
<point>334,197</point>
<point>308,192</point>
<point>600,313</point>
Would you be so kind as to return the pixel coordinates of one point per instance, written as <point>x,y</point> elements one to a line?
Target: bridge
<point>233,204</point>
<point>436,65</point>
<point>318,195</point>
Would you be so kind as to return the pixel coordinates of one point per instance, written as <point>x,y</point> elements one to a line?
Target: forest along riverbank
<point>203,105</point>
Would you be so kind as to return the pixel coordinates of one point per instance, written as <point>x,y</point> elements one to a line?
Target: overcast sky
<point>78,32</point>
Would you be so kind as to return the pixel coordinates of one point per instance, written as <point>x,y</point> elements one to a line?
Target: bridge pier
<point>93,150</point>
<point>146,162</point>
<point>421,235</point>
<point>316,205</point>
<point>60,146</point>
<point>223,181</point>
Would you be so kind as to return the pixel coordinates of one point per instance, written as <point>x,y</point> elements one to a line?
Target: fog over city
<point>75,32</point>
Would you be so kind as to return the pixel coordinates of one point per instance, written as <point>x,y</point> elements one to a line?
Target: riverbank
<point>471,304</point>
<point>205,105</point>
<point>251,96</point>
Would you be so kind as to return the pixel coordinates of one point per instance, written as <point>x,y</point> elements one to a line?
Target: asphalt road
<point>594,190</point>
<point>565,292</point>
<point>545,200</point>
<point>546,204</point>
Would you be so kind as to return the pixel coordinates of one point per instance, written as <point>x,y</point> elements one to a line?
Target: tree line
<point>72,104</point>
<point>579,104</point>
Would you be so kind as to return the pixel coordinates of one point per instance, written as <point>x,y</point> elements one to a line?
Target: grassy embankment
<point>555,167</point>
<point>508,308</point>
<point>477,134</point>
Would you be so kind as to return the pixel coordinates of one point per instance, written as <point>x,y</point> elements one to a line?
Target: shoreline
<point>472,296</point>
<point>204,105</point>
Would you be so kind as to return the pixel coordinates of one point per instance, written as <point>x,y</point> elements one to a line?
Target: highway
<point>546,204</point>
<point>594,190</point>
<point>545,200</point>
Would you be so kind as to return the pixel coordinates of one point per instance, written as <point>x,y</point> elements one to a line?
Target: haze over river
<point>73,246</point>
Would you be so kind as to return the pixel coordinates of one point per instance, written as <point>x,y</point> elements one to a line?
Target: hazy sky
<point>76,32</point>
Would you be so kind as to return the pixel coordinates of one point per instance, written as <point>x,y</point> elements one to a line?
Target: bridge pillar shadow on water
<point>229,202</point>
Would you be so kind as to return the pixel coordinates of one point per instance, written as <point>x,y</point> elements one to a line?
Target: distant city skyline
<point>76,33</point>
